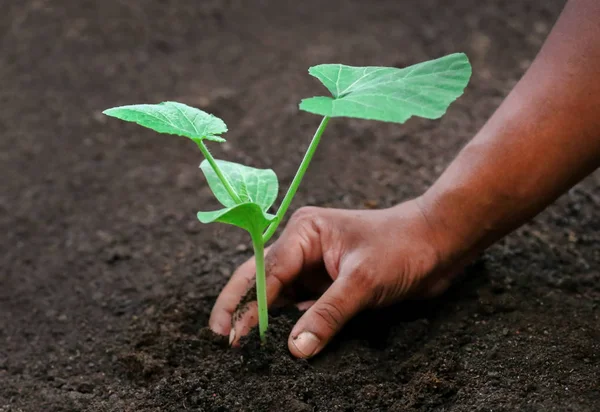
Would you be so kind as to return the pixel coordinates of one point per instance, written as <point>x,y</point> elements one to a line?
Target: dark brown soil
<point>107,279</point>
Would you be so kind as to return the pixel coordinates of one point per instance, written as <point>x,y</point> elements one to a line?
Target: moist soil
<point>107,279</point>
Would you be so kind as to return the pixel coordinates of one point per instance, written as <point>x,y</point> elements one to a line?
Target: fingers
<point>222,312</point>
<point>246,316</point>
<point>298,247</point>
<point>326,317</point>
<point>302,306</point>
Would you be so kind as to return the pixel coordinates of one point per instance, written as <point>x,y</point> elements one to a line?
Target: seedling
<point>377,93</point>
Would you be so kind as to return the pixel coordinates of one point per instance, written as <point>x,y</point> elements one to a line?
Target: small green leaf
<point>258,186</point>
<point>390,94</point>
<point>172,118</point>
<point>248,216</point>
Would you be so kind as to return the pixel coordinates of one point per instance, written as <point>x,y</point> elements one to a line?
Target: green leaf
<point>258,186</point>
<point>249,216</point>
<point>390,94</point>
<point>172,118</point>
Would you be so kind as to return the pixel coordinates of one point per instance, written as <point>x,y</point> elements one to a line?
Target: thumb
<point>323,320</point>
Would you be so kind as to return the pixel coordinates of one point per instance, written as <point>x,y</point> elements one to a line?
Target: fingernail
<point>307,343</point>
<point>231,336</point>
<point>218,329</point>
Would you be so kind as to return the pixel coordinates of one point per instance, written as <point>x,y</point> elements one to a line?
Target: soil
<point>107,279</point>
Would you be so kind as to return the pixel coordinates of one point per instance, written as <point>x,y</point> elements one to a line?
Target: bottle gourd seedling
<point>377,93</point>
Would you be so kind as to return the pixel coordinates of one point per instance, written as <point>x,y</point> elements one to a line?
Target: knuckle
<point>305,215</point>
<point>330,314</point>
<point>306,225</point>
<point>364,279</point>
<point>379,295</point>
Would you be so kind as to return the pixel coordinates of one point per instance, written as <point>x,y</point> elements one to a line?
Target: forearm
<point>543,139</point>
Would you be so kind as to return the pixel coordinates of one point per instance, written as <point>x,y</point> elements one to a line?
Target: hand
<point>352,259</point>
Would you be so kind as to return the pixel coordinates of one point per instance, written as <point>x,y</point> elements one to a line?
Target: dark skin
<point>543,139</point>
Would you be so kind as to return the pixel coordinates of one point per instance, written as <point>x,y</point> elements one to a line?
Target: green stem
<point>261,284</point>
<point>220,175</point>
<point>287,200</point>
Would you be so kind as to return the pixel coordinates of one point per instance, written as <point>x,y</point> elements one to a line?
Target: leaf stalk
<point>287,200</point>
<point>219,172</point>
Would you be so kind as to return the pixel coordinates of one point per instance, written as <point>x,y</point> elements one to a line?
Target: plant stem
<point>285,204</point>
<point>261,284</point>
<point>220,175</point>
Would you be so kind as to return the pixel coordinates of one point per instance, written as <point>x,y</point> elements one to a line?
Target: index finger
<point>238,285</point>
<point>298,247</point>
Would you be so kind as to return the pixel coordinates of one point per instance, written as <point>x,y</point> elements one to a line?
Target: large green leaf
<point>258,186</point>
<point>390,94</point>
<point>249,216</point>
<point>172,118</point>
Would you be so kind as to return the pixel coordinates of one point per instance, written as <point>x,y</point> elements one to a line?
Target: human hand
<point>349,259</point>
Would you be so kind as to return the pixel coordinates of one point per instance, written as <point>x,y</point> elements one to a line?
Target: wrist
<point>453,223</point>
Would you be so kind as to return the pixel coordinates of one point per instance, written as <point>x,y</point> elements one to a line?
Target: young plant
<point>377,93</point>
